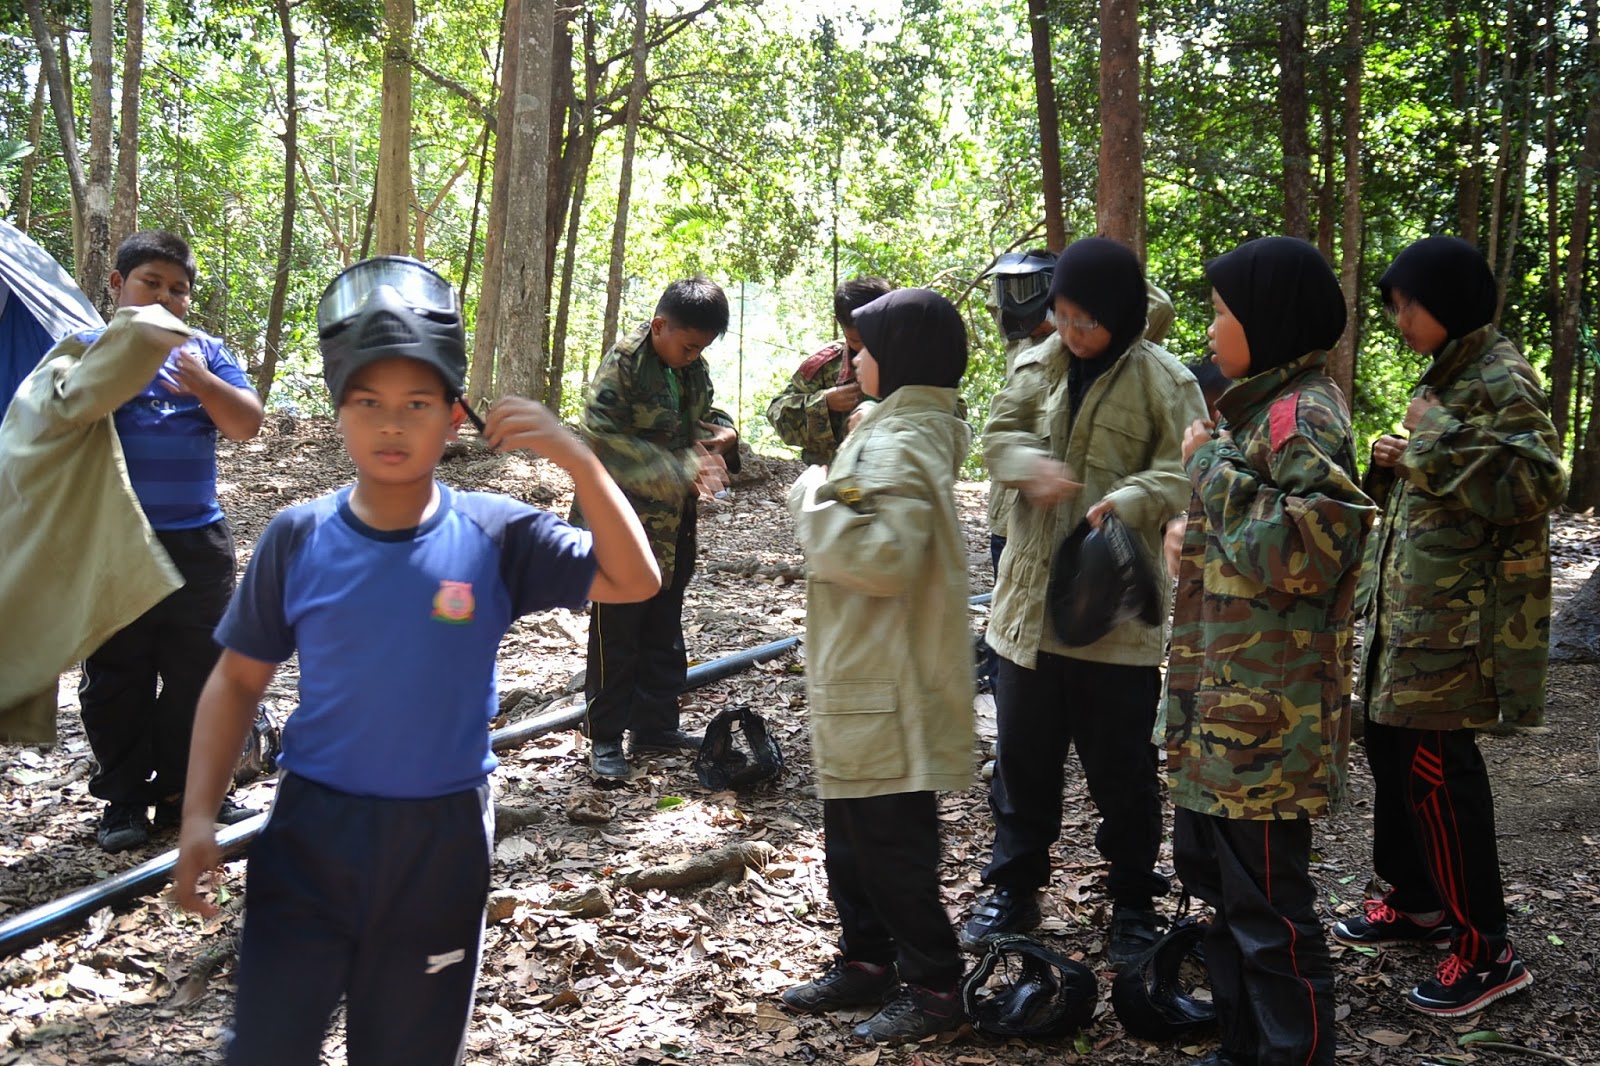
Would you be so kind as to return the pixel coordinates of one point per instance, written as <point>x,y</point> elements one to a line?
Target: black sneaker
<point>1381,926</point>
<point>1003,910</point>
<point>123,826</point>
<point>606,760</point>
<point>842,986</point>
<point>1462,988</point>
<point>1133,930</point>
<point>169,814</point>
<point>667,741</point>
<point>914,1014</point>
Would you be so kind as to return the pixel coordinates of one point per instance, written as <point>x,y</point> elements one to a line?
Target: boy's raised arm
<point>626,570</point>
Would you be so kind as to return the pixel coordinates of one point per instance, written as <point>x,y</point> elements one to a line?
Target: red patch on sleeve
<point>1281,419</point>
<point>809,368</point>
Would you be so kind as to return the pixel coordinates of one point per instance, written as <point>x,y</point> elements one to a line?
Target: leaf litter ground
<point>579,967</point>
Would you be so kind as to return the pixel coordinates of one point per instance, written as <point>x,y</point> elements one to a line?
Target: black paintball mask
<point>1153,996</point>
<point>392,307</point>
<point>1022,988</point>
<point>1020,292</point>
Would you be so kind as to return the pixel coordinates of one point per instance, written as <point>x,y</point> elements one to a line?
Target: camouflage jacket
<point>800,412</point>
<point>642,418</point>
<point>1256,717</point>
<point>1458,623</point>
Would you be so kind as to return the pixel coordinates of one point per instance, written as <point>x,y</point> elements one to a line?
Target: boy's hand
<point>854,420</point>
<point>1172,543</point>
<point>198,854</point>
<point>843,397</point>
<point>1387,450</point>
<point>1050,484</point>
<point>516,422</point>
<point>720,439</point>
<point>188,375</point>
<point>1420,405</point>
<point>713,475</point>
<point>1200,432</point>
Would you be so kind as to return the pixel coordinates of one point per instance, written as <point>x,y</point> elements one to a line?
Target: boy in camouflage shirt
<point>649,418</point>
<point>1458,628</point>
<point>1256,715</point>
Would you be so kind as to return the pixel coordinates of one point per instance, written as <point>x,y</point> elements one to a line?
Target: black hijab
<point>1284,295</point>
<point>1104,278</point>
<point>1448,277</point>
<point>917,337</point>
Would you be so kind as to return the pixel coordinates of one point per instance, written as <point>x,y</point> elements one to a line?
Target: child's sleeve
<point>1012,446</point>
<point>1506,467</point>
<point>1299,530</point>
<point>225,365</point>
<point>256,622</point>
<point>544,561</point>
<point>613,418</point>
<point>870,539</point>
<point>1147,498</point>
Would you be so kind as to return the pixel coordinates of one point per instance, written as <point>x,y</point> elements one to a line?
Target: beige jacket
<point>80,560</point>
<point>1124,445</point>
<point>888,641</point>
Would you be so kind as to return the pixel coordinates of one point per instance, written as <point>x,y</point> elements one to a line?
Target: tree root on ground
<point>733,859</point>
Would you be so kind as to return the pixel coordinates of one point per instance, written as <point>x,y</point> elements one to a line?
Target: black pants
<point>1108,710</point>
<point>376,900</point>
<point>883,875</point>
<point>989,670</point>
<point>1271,976</point>
<point>637,658</point>
<point>139,688</point>
<point>1433,835</point>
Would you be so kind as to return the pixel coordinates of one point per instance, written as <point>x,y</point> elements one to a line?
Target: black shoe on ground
<point>1381,926</point>
<point>1133,931</point>
<point>123,826</point>
<point>169,814</point>
<point>669,741</point>
<point>843,985</point>
<point>607,761</point>
<point>1462,988</point>
<point>1003,910</point>
<point>913,1014</point>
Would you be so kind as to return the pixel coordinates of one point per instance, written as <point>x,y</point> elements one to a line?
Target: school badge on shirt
<point>453,603</point>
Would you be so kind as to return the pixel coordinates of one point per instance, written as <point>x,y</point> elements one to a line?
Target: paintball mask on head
<point>1039,993</point>
<point>391,307</point>
<point>1020,291</point>
<point>1149,996</point>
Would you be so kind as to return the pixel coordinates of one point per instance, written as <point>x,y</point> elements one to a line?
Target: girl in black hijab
<point>1098,293</point>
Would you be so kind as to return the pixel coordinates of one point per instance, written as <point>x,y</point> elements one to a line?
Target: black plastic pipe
<point>24,930</point>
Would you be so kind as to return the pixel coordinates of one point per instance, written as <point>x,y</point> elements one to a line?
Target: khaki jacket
<point>1124,445</point>
<point>80,560</point>
<point>1458,628</point>
<point>888,641</point>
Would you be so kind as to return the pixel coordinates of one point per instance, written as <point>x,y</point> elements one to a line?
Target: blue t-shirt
<point>397,632</point>
<point>171,443</point>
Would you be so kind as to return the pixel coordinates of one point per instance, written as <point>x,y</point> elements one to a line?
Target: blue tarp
<point>39,304</point>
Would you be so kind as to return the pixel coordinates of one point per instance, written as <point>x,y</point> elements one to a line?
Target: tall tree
<point>394,187</point>
<point>30,163</point>
<point>1564,344</point>
<point>291,164</point>
<point>125,207</point>
<point>480,381</point>
<point>1294,110</point>
<point>1044,91</point>
<point>630,139</point>
<point>1119,207</point>
<point>1342,364</point>
<point>94,267</point>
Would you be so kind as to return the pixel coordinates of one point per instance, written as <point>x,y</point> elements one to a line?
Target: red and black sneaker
<point>1462,988</point>
<point>1381,926</point>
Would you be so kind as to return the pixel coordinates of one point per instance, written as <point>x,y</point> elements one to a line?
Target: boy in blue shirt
<point>369,879</point>
<point>139,729</point>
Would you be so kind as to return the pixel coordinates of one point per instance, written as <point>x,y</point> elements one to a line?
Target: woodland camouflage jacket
<point>800,412</point>
<point>642,418</point>
<point>1458,622</point>
<point>1256,719</point>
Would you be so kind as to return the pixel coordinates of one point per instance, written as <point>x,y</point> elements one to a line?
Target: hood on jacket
<point>917,337</point>
<point>1285,296</point>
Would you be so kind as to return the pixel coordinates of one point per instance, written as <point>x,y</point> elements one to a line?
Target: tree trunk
<point>1575,629</point>
<point>1502,156</point>
<point>630,137</point>
<point>1342,361</point>
<point>565,125</point>
<point>1569,305</point>
<point>30,165</point>
<point>125,209</point>
<point>524,288</point>
<point>61,106</point>
<point>1328,110</point>
<point>558,335</point>
<point>394,188</point>
<point>291,152</point>
<point>94,268</point>
<point>1469,179</point>
<point>1294,112</point>
<point>1044,91</point>
<point>480,381</point>
<point>1119,210</point>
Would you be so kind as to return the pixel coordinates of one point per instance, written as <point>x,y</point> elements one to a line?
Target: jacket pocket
<point>1426,627</point>
<point>856,733</point>
<point>1435,661</point>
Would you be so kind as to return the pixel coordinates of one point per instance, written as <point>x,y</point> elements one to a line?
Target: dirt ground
<point>579,968</point>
